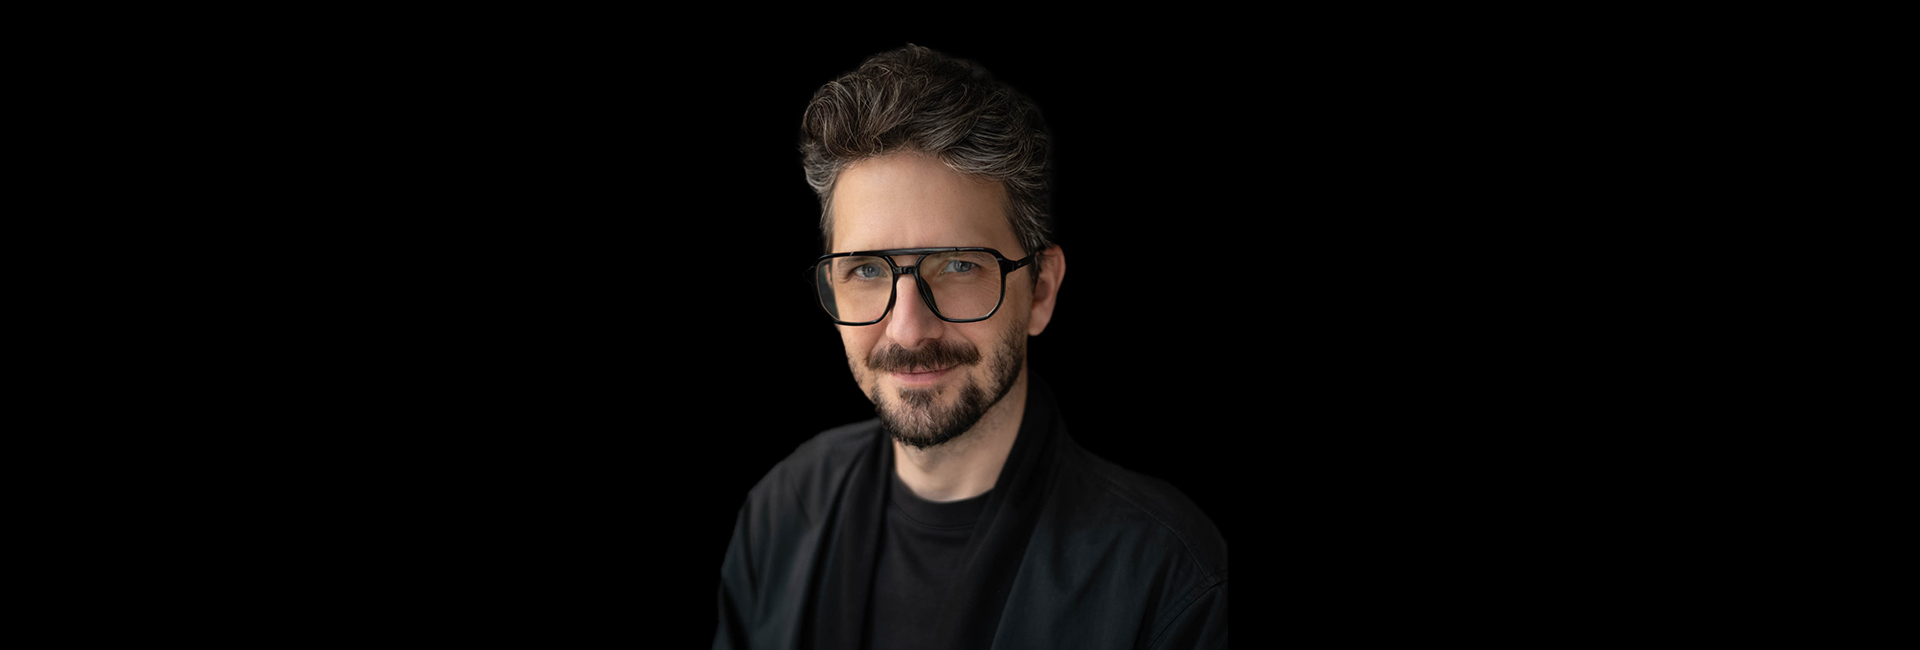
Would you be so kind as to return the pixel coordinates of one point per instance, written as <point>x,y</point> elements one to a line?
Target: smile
<point>920,377</point>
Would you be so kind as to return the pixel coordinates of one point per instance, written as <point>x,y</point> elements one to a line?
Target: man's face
<point>930,380</point>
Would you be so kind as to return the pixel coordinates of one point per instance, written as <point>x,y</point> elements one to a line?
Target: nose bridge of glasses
<point>911,267</point>
<point>916,286</point>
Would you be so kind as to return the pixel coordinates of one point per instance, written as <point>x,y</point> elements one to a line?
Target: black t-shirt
<point>922,544</point>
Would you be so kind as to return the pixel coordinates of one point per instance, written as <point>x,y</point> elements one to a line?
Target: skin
<point>910,200</point>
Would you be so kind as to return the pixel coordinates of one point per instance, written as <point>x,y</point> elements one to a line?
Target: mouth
<point>920,376</point>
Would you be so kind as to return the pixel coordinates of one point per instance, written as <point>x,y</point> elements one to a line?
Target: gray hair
<point>916,99</point>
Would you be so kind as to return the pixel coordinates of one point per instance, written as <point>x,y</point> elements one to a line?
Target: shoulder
<point>1123,532</point>
<point>1149,510</point>
<point>808,477</point>
<point>1138,547</point>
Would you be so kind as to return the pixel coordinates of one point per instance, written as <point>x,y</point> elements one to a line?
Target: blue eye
<point>960,266</point>
<point>867,272</point>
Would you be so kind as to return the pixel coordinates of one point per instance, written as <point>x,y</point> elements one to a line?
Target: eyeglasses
<point>960,285</point>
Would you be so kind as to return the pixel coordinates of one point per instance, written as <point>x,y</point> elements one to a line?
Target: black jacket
<point>1071,551</point>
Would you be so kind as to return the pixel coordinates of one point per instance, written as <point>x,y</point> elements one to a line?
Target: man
<point>963,515</point>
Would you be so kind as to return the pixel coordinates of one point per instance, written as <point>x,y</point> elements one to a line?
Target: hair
<point>916,99</point>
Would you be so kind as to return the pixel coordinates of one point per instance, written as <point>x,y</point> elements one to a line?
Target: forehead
<point>910,200</point>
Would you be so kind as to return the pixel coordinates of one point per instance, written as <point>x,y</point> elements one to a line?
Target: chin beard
<point>919,421</point>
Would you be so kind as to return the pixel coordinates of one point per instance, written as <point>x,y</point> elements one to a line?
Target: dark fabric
<point>1068,550</point>
<point>921,548</point>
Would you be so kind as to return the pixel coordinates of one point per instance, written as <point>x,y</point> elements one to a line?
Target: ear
<point>1047,290</point>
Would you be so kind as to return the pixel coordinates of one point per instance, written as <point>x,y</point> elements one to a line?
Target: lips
<point>920,376</point>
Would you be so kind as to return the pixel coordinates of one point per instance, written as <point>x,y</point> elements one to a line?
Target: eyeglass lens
<point>965,285</point>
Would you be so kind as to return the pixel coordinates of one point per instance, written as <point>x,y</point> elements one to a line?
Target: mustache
<point>935,354</point>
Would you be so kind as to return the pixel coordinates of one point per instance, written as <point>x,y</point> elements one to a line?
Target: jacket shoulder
<point>1152,510</point>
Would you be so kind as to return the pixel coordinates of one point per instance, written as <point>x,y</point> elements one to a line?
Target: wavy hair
<point>917,99</point>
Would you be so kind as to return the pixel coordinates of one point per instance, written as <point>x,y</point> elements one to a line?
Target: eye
<point>959,266</point>
<point>866,272</point>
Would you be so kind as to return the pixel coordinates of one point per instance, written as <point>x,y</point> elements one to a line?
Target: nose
<point>911,321</point>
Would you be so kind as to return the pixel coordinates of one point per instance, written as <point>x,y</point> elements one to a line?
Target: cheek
<point>1017,302</point>
<point>859,344</point>
<point>989,340</point>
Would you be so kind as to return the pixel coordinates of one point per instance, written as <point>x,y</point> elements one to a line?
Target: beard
<point>918,419</point>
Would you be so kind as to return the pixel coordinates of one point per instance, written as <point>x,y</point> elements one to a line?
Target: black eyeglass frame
<point>1007,267</point>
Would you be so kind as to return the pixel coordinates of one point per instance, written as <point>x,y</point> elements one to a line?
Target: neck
<point>968,465</point>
